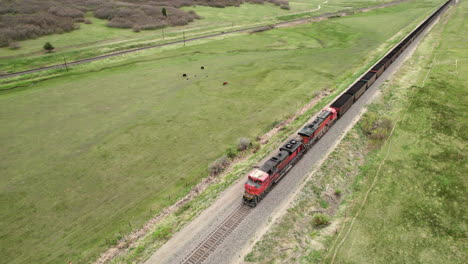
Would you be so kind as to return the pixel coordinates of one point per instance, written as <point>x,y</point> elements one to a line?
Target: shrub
<point>105,12</point>
<point>231,153</point>
<point>376,127</point>
<point>219,165</point>
<point>320,220</point>
<point>14,45</point>
<point>65,11</point>
<point>87,21</point>
<point>285,7</point>
<point>120,23</point>
<point>48,47</point>
<point>21,27</point>
<point>243,144</point>
<point>27,19</point>
<point>338,192</point>
<point>255,147</point>
<point>136,29</point>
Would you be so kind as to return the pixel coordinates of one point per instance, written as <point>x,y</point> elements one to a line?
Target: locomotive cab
<point>255,186</point>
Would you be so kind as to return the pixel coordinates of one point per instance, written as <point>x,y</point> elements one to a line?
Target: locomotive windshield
<point>255,184</point>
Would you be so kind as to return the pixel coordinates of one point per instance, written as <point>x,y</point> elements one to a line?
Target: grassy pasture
<point>96,39</point>
<point>415,212</point>
<point>90,156</point>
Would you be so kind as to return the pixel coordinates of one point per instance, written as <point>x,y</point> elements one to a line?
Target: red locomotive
<point>261,180</point>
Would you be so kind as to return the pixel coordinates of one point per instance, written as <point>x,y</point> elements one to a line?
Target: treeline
<point>28,19</point>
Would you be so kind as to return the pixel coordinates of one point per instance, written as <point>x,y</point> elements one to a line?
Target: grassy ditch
<point>94,153</point>
<point>414,212</point>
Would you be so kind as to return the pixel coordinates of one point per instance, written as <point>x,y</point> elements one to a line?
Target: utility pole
<point>65,61</point>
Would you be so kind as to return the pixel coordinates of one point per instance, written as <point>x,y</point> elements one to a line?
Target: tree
<point>48,47</point>
<point>164,12</point>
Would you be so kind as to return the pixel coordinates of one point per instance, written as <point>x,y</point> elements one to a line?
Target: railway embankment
<point>394,188</point>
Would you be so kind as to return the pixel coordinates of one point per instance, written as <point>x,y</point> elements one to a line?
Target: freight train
<point>260,180</point>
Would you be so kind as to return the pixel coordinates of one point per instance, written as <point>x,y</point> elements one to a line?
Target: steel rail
<point>216,237</point>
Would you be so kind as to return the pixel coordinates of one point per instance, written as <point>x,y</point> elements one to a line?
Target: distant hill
<point>26,19</point>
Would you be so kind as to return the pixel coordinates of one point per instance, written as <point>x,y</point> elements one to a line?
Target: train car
<point>386,61</point>
<point>357,90</point>
<point>405,44</point>
<point>314,131</point>
<point>260,180</point>
<point>392,56</point>
<point>378,69</point>
<point>342,104</point>
<point>369,78</point>
<point>412,36</point>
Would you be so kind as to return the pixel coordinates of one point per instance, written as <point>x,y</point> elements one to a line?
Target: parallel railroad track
<point>216,237</point>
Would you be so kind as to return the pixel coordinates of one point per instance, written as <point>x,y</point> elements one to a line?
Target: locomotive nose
<point>249,188</point>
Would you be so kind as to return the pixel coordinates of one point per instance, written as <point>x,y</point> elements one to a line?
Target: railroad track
<point>77,62</point>
<point>216,237</point>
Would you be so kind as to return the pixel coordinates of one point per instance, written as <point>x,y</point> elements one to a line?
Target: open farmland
<point>96,39</point>
<point>87,157</point>
<point>414,210</point>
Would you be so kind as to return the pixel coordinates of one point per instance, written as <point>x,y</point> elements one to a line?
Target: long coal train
<point>261,180</point>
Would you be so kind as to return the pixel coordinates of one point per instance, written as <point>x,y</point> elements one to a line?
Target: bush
<point>65,11</point>
<point>376,127</point>
<point>255,147</point>
<point>22,27</point>
<point>219,165</point>
<point>48,47</point>
<point>243,144</point>
<point>320,220</point>
<point>87,21</point>
<point>338,192</point>
<point>231,153</point>
<point>27,19</point>
<point>105,12</point>
<point>120,23</point>
<point>136,29</point>
<point>14,45</point>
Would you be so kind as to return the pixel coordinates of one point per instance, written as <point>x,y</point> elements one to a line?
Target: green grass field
<point>89,156</point>
<point>415,212</point>
<point>97,39</point>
